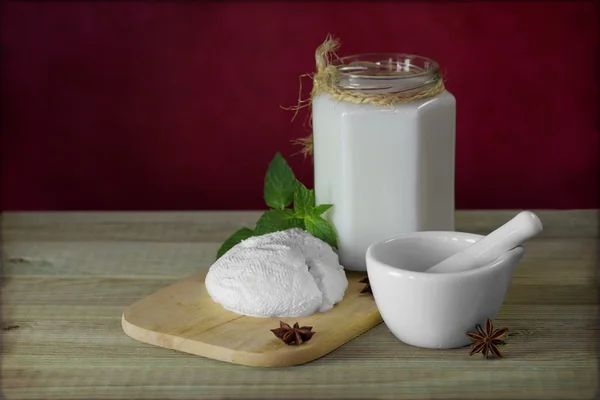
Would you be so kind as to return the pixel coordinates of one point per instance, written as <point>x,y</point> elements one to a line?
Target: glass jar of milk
<point>383,147</point>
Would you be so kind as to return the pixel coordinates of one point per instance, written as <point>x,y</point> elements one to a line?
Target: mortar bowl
<point>435,310</point>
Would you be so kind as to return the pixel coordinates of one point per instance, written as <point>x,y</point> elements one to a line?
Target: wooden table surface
<point>67,277</point>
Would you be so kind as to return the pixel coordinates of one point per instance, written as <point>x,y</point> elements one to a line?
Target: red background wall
<point>177,105</point>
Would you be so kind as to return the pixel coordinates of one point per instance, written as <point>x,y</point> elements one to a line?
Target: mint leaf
<point>321,208</point>
<point>234,239</point>
<point>280,183</point>
<point>322,229</point>
<point>277,220</point>
<point>280,189</point>
<point>304,201</point>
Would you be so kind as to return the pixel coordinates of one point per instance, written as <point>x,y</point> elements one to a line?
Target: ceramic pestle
<point>522,227</point>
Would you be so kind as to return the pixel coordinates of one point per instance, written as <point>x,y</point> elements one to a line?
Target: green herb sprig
<point>280,191</point>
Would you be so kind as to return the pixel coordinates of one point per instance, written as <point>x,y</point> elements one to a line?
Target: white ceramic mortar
<point>435,310</point>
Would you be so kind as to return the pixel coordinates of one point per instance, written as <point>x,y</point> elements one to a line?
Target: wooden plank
<point>216,226</point>
<point>381,380</point>
<point>545,258</point>
<point>531,326</point>
<point>92,290</point>
<point>111,259</point>
<point>125,291</point>
<point>547,353</point>
<point>171,227</point>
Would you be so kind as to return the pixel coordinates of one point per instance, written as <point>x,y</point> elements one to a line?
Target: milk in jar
<point>388,169</point>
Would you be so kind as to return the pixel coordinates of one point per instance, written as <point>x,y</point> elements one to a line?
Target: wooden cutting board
<point>183,317</point>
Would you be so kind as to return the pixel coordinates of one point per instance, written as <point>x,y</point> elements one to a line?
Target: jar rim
<point>429,66</point>
<point>362,71</point>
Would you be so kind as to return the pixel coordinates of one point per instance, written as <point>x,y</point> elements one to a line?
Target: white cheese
<point>282,274</point>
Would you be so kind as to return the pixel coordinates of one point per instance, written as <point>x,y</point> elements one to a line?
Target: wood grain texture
<point>216,226</point>
<point>68,277</point>
<point>183,317</point>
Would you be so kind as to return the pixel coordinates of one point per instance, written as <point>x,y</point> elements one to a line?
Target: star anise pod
<point>367,288</point>
<point>487,342</point>
<point>293,335</point>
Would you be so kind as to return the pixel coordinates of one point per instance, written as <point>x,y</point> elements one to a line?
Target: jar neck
<point>381,73</point>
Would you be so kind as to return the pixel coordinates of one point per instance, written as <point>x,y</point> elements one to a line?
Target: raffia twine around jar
<point>325,80</point>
